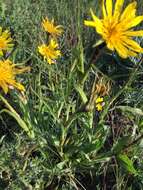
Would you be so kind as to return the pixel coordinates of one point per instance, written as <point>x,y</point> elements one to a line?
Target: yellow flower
<point>99,103</point>
<point>5,41</point>
<point>50,52</point>
<point>51,28</point>
<point>99,107</point>
<point>99,100</point>
<point>116,27</point>
<point>8,72</point>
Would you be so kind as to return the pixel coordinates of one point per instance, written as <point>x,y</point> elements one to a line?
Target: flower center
<point>111,30</point>
<point>6,73</point>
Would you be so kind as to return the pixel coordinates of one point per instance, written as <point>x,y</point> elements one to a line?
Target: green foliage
<point>50,139</point>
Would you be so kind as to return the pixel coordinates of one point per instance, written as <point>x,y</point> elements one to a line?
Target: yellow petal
<point>90,23</point>
<point>129,12</point>
<point>95,18</point>
<point>131,44</point>
<point>134,33</point>
<point>19,86</point>
<point>50,61</point>
<point>110,46</point>
<point>109,7</point>
<point>137,20</point>
<point>99,100</point>
<point>53,43</point>
<point>97,21</point>
<point>99,107</point>
<point>118,8</point>
<point>122,51</point>
<point>132,53</point>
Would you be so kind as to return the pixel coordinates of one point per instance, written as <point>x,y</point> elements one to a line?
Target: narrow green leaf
<point>127,164</point>
<point>134,111</point>
<point>120,144</point>
<point>79,53</point>
<point>21,123</point>
<point>82,94</point>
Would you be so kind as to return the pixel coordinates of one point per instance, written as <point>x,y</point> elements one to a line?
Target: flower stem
<point>96,54</point>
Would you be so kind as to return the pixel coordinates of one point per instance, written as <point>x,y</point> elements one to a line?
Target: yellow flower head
<point>116,27</point>
<point>50,52</point>
<point>99,103</point>
<point>51,28</point>
<point>8,72</point>
<point>99,100</point>
<point>99,107</point>
<point>5,41</point>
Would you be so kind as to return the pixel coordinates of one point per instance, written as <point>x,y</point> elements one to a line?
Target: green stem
<point>98,51</point>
